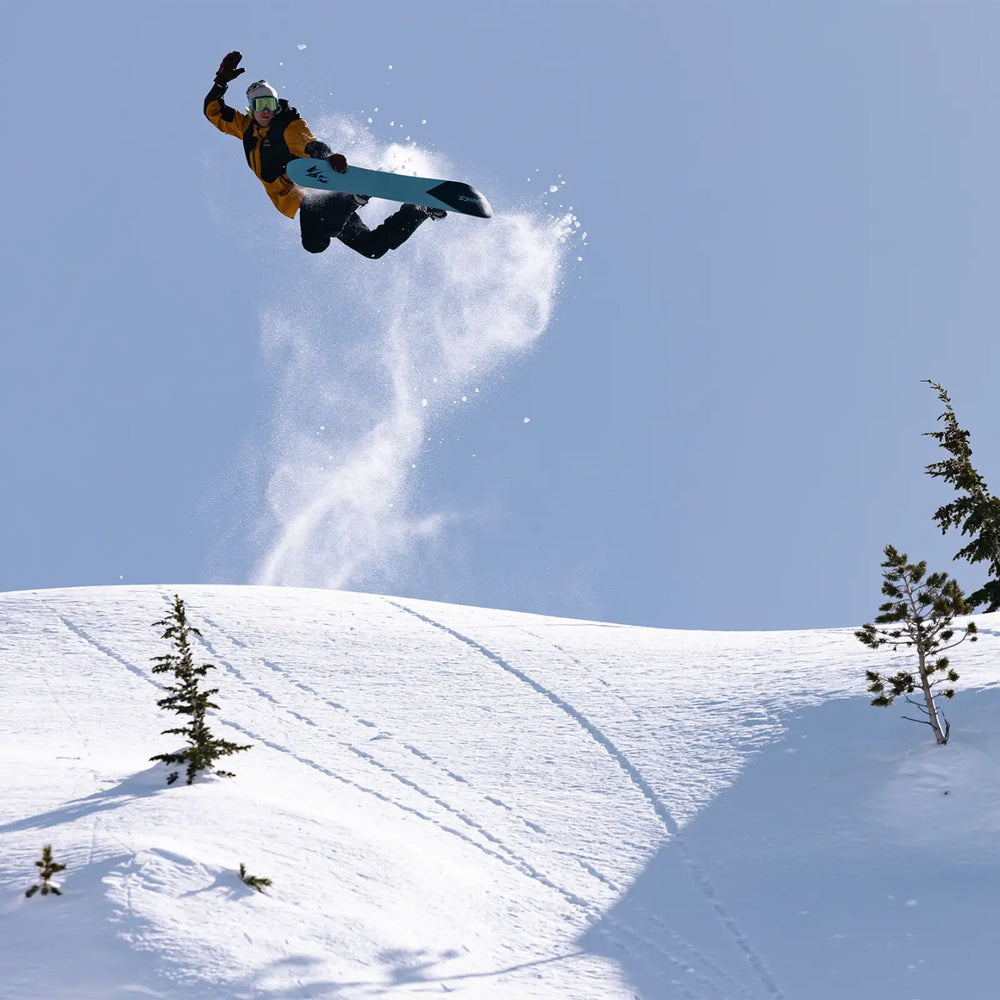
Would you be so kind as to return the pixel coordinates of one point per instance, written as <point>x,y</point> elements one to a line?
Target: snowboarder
<point>273,134</point>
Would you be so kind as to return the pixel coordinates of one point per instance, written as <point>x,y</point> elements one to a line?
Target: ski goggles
<point>264,104</point>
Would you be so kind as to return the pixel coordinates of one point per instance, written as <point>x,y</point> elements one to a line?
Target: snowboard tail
<point>452,196</point>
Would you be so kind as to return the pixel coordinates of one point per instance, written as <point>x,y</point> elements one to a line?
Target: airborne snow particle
<point>527,420</point>
<point>553,188</point>
<point>301,47</point>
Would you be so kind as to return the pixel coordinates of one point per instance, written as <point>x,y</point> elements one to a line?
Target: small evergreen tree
<point>976,512</point>
<point>46,869</point>
<point>187,697</point>
<point>254,881</point>
<point>918,615</point>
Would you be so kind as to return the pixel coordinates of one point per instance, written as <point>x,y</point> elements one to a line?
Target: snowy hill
<point>479,803</point>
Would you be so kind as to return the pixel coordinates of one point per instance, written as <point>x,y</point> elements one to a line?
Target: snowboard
<point>452,196</point>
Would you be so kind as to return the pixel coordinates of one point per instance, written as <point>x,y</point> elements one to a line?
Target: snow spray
<point>370,357</point>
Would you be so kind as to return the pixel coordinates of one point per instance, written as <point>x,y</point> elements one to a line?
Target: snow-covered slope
<point>452,800</point>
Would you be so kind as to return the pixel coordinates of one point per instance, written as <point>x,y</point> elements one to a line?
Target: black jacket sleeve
<point>318,150</point>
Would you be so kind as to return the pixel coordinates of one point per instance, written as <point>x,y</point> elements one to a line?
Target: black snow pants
<point>330,215</point>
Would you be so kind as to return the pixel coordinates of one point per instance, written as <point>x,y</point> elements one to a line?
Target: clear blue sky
<point>791,216</point>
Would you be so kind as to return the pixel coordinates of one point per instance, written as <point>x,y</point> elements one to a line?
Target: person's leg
<point>392,233</point>
<point>314,237</point>
<point>322,217</point>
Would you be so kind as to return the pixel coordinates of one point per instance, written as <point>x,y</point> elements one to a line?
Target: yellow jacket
<point>267,150</point>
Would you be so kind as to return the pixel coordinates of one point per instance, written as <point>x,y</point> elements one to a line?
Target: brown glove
<point>228,68</point>
<point>338,161</point>
<point>319,150</point>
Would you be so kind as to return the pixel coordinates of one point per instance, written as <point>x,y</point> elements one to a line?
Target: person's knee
<point>365,244</point>
<point>315,244</point>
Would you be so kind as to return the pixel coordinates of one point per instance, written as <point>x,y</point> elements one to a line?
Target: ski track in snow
<point>659,807</point>
<point>567,770</point>
<point>423,803</point>
<point>357,751</point>
<point>495,847</point>
<point>107,651</point>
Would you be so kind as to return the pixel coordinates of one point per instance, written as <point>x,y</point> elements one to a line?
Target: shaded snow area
<point>473,803</point>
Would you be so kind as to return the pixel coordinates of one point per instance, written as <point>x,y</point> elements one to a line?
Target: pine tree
<point>254,881</point>
<point>187,697</point>
<point>46,869</point>
<point>976,512</point>
<point>918,615</point>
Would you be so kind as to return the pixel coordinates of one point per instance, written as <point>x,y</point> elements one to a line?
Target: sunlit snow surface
<point>456,801</point>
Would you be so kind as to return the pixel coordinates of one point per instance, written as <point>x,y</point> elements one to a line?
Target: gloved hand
<point>319,150</point>
<point>228,68</point>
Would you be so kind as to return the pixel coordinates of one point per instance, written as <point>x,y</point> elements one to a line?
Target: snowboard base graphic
<point>452,196</point>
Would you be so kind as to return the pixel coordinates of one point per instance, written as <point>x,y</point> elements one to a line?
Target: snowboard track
<point>660,808</point>
<point>509,858</point>
<point>496,848</point>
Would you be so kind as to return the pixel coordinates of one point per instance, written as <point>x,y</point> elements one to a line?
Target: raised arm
<point>223,117</point>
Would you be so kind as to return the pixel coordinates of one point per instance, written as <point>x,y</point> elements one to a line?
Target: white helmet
<point>263,92</point>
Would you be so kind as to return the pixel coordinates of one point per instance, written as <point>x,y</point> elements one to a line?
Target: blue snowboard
<point>452,196</point>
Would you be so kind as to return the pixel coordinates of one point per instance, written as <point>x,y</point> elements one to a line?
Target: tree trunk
<point>932,713</point>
